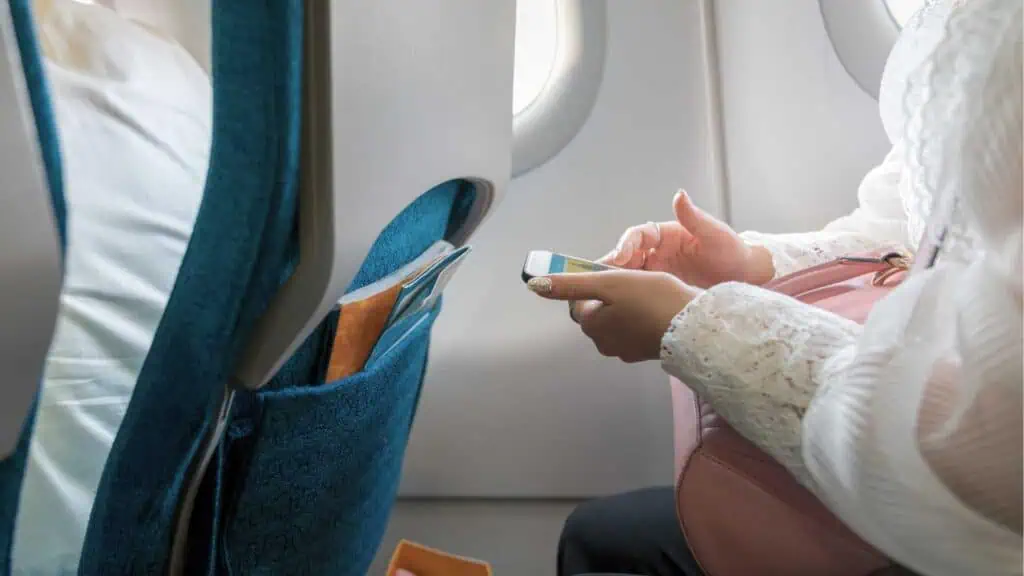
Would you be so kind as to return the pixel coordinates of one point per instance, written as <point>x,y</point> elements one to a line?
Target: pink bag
<point>742,513</point>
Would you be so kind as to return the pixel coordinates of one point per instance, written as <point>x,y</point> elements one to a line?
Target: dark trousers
<point>631,533</point>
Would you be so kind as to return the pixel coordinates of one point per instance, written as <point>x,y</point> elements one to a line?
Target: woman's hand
<point>697,248</point>
<point>627,311</point>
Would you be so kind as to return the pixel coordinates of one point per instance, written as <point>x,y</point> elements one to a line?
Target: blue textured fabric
<point>239,247</point>
<point>315,468</point>
<point>305,481</point>
<point>317,480</point>
<point>12,469</point>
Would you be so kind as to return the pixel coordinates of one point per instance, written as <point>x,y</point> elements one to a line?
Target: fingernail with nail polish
<point>540,285</point>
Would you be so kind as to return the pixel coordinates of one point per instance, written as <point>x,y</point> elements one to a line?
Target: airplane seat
<point>307,472</point>
<point>12,468</point>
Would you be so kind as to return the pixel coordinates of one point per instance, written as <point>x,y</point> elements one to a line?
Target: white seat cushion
<point>133,113</point>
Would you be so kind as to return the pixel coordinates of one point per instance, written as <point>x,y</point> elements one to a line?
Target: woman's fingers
<point>636,241</point>
<point>623,252</point>
<point>638,244</point>
<point>608,258</point>
<point>581,311</point>
<point>693,220</point>
<point>600,286</point>
<point>401,572</point>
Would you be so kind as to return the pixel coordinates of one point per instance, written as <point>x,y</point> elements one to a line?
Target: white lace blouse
<point>909,427</point>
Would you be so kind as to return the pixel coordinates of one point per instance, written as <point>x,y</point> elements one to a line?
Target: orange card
<point>422,560</point>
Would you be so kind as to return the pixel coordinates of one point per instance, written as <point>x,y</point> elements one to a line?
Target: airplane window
<point>863,33</point>
<point>559,63</point>
<point>902,10</point>
<point>536,43</point>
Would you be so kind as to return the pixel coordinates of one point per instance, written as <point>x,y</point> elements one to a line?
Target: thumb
<point>401,572</point>
<point>692,218</point>
<point>578,286</point>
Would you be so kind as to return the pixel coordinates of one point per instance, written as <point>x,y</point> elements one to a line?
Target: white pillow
<point>133,113</point>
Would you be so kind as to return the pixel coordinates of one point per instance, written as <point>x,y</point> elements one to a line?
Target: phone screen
<point>562,264</point>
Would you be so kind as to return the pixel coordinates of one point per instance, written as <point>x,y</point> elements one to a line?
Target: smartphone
<point>542,263</point>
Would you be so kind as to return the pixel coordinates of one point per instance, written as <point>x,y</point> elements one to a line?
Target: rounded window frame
<point>547,125</point>
<point>862,34</point>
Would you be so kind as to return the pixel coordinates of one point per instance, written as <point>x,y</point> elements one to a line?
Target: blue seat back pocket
<point>310,469</point>
<point>316,489</point>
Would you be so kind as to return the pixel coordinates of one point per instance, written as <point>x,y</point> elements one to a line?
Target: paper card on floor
<point>422,560</point>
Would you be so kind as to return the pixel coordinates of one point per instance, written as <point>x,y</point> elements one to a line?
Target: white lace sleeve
<point>756,356</point>
<point>879,223</point>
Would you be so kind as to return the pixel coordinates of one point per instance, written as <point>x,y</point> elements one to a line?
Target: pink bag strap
<point>840,270</point>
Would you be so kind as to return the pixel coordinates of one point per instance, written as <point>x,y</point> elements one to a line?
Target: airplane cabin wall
<point>800,133</point>
<point>516,403</point>
<point>520,418</point>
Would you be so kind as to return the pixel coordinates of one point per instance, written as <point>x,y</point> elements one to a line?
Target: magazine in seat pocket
<point>367,315</point>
